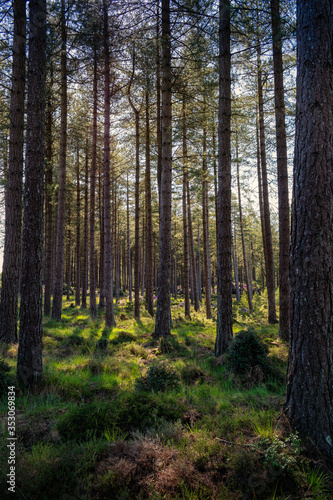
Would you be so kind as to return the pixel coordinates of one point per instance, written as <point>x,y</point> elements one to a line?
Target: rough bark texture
<point>60,245</point>
<point>309,403</point>
<point>224,266</point>
<point>48,201</point>
<point>85,236</point>
<point>108,257</point>
<point>92,277</point>
<point>13,224</point>
<point>282,170</point>
<point>163,313</point>
<point>29,362</point>
<point>269,260</point>
<point>149,230</point>
<point>205,228</point>
<point>185,219</point>
<point>246,267</point>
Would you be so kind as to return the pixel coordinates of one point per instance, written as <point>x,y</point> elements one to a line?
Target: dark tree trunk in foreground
<point>29,362</point>
<point>224,266</point>
<point>269,260</point>
<point>309,403</point>
<point>108,257</point>
<point>163,312</point>
<point>282,170</point>
<point>92,267</point>
<point>12,250</point>
<point>60,246</point>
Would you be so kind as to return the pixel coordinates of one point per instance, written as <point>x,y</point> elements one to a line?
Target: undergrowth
<point>122,415</point>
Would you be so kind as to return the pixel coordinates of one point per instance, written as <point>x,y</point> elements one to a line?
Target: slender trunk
<point>48,201</point>
<point>149,230</point>
<point>13,217</point>
<point>199,268</point>
<point>85,236</point>
<point>29,361</point>
<point>101,303</point>
<point>163,312</point>
<point>246,267</point>
<point>195,290</point>
<point>129,249</point>
<point>158,102</point>
<point>185,225</point>
<point>224,274</point>
<point>282,169</point>
<point>269,261</point>
<point>234,255</point>
<point>78,230</point>
<point>69,253</point>
<point>205,224</point>
<point>60,246</point>
<point>108,258</point>
<point>92,277</point>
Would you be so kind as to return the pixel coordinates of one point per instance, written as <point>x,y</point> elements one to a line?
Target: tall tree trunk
<point>149,230</point>
<point>195,290</point>
<point>224,274</point>
<point>69,253</point>
<point>309,402</point>
<point>269,260</point>
<point>234,256</point>
<point>29,361</point>
<point>85,236</point>
<point>246,267</point>
<point>128,247</point>
<point>185,221</point>
<point>48,199</point>
<point>60,245</point>
<point>108,257</point>
<point>158,102</point>
<point>282,168</point>
<point>101,303</point>
<point>163,312</point>
<point>12,250</point>
<point>199,268</point>
<point>205,225</point>
<point>92,277</point>
<point>78,230</point>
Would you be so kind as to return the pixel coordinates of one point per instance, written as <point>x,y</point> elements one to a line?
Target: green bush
<point>123,338</point>
<point>246,352</point>
<point>158,378</point>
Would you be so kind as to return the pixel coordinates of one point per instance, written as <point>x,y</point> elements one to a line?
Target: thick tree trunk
<point>29,361</point>
<point>12,250</point>
<point>282,169</point>
<point>309,402</point>
<point>163,313</point>
<point>60,245</point>
<point>224,332</point>
<point>269,260</point>
<point>149,230</point>
<point>48,201</point>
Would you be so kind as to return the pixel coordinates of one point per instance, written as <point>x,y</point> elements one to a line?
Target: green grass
<point>87,433</point>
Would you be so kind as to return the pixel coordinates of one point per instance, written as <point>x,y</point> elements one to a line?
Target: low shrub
<point>5,380</point>
<point>158,378</point>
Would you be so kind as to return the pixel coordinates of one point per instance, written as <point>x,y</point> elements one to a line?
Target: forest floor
<point>89,432</point>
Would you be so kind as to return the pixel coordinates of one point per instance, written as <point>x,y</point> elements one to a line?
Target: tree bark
<point>163,312</point>
<point>29,361</point>
<point>128,247</point>
<point>13,218</point>
<point>282,169</point>
<point>192,251</point>
<point>108,257</point>
<point>78,235</point>
<point>224,332</point>
<point>205,225</point>
<point>185,220</point>
<point>309,402</point>
<point>149,230</point>
<point>60,245</point>
<point>269,260</point>
<point>85,235</point>
<point>48,200</point>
